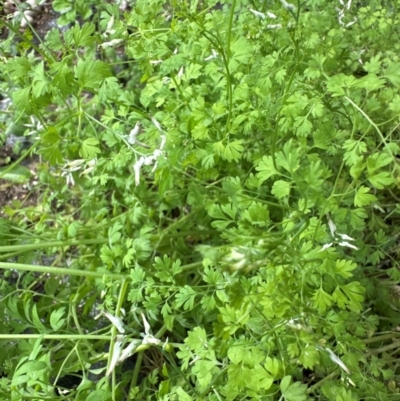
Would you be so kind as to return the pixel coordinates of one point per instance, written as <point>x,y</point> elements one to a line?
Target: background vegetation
<point>213,201</point>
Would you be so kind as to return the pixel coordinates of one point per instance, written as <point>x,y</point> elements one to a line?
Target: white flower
<point>155,62</point>
<point>148,337</point>
<point>163,140</point>
<point>129,350</point>
<point>111,43</point>
<point>180,72</point>
<point>337,360</point>
<point>274,26</point>
<point>74,165</point>
<point>348,245</point>
<point>115,355</point>
<point>343,239</point>
<point>332,227</point>
<point>90,165</point>
<point>257,13</point>
<point>342,14</point>
<point>36,126</point>
<point>136,167</point>
<point>115,320</point>
<point>271,15</point>
<point>213,55</point>
<point>346,237</point>
<point>133,134</point>
<point>69,178</point>
<point>288,6</point>
<point>156,123</point>
<point>326,246</point>
<point>109,29</point>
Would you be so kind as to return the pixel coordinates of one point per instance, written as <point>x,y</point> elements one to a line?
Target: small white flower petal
<point>86,171</point>
<point>156,123</point>
<point>155,62</point>
<point>154,167</point>
<point>91,163</point>
<point>257,13</point>
<point>180,72</point>
<point>209,58</point>
<point>157,153</point>
<point>148,161</point>
<point>74,163</point>
<point>129,350</point>
<point>116,321</point>
<point>149,339</point>
<point>136,167</point>
<point>163,140</point>
<point>111,43</point>
<point>271,15</point>
<point>332,227</point>
<point>348,245</point>
<point>326,246</point>
<point>288,6</point>
<point>70,180</point>
<point>110,24</point>
<point>133,134</point>
<point>146,325</point>
<point>337,360</point>
<point>115,355</point>
<point>274,26</point>
<point>346,237</point>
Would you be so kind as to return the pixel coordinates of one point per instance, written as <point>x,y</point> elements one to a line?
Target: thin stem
<point>228,53</point>
<point>383,349</point>
<point>73,337</point>
<point>60,270</point>
<point>136,370</point>
<point>383,337</point>
<point>51,244</point>
<point>17,162</point>
<point>321,382</point>
<point>372,123</point>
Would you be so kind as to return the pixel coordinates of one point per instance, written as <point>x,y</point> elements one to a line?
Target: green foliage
<point>216,205</point>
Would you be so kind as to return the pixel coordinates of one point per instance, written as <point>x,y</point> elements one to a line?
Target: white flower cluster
<point>341,12</point>
<point>110,31</point>
<point>342,239</point>
<point>119,354</point>
<point>258,14</point>
<point>35,125</point>
<point>76,165</point>
<point>150,159</point>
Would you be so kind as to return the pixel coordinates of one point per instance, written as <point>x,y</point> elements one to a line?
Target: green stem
<point>17,162</point>
<point>51,244</point>
<point>228,53</point>
<point>366,116</point>
<point>74,337</point>
<point>321,382</point>
<point>383,349</point>
<point>192,266</point>
<point>383,337</point>
<point>135,374</point>
<point>59,270</point>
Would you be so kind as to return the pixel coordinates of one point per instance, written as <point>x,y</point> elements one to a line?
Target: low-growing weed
<point>217,202</point>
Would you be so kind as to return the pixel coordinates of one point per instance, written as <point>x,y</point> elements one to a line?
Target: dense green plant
<point>218,184</point>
